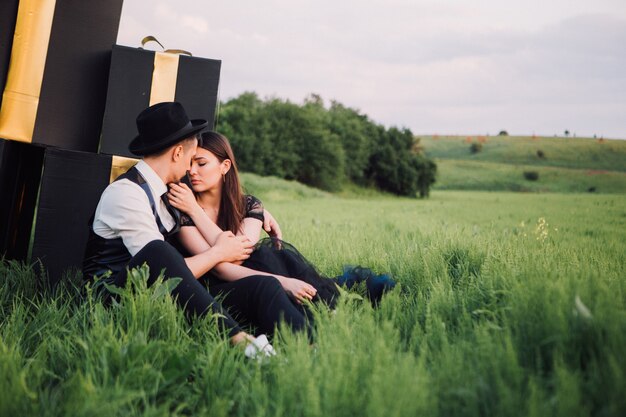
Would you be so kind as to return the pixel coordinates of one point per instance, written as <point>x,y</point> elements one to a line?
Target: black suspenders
<point>135,176</point>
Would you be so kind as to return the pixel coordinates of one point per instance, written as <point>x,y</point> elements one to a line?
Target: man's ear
<point>177,153</point>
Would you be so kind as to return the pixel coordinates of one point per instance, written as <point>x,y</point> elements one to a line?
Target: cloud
<point>195,23</point>
<point>166,13</point>
<point>430,65</point>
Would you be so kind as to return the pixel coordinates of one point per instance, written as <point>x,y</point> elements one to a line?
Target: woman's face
<point>206,171</point>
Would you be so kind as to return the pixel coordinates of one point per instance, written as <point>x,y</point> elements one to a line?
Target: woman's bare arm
<point>251,228</point>
<point>199,238</point>
<point>227,248</point>
<point>182,198</point>
<point>194,242</point>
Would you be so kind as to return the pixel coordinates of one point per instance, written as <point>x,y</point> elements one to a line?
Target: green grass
<point>508,304</point>
<point>494,176</point>
<point>578,153</point>
<point>568,164</point>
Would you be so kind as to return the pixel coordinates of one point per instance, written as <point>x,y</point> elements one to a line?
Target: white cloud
<point>197,24</point>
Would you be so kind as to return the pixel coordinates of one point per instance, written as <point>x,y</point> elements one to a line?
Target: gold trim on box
<point>119,165</point>
<point>28,60</point>
<point>164,77</point>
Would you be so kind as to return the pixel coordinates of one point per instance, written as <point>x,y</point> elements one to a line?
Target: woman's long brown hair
<point>232,204</point>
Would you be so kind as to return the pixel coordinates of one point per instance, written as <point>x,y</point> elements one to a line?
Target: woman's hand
<point>297,288</point>
<point>233,248</point>
<point>270,225</point>
<point>182,198</point>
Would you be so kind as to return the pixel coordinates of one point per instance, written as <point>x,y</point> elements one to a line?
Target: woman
<point>219,204</point>
<point>258,297</point>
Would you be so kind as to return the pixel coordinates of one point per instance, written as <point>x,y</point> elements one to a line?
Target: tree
<point>356,135</point>
<point>323,147</point>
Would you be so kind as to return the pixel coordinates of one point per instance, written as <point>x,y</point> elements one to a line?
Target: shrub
<point>531,175</point>
<point>540,154</point>
<point>476,147</point>
<point>503,133</point>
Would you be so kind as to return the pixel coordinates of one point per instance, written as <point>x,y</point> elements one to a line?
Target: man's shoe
<point>259,348</point>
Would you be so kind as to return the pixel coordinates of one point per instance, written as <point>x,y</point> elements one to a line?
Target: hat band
<point>187,126</point>
<point>174,132</point>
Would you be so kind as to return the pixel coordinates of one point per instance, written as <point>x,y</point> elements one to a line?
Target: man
<point>133,220</point>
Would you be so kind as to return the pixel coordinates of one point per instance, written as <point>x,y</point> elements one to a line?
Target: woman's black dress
<point>279,257</point>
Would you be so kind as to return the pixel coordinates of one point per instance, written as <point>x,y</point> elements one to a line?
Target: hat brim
<point>139,148</point>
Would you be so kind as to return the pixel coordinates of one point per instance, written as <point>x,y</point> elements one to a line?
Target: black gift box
<point>20,173</point>
<point>71,100</point>
<point>131,85</point>
<point>71,185</point>
<point>8,14</point>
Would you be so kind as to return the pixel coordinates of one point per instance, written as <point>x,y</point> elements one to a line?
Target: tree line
<point>323,147</point>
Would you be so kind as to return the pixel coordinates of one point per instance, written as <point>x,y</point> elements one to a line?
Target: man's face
<point>189,150</point>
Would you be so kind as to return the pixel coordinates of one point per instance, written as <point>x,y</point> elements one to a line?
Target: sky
<point>437,67</point>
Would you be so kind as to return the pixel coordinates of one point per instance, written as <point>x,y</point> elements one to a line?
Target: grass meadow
<point>507,304</point>
<point>563,164</point>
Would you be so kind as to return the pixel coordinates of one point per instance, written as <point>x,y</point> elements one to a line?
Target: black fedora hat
<point>161,126</point>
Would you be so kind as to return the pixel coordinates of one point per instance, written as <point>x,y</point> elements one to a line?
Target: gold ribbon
<point>164,77</point>
<point>165,74</point>
<point>119,165</point>
<point>28,60</point>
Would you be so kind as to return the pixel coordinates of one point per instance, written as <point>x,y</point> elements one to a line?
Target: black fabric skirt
<point>281,258</point>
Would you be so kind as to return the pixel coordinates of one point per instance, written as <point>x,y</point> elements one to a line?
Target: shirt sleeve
<point>125,210</point>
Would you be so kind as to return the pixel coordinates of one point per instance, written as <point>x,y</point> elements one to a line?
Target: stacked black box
<point>73,81</point>
<point>8,14</point>
<point>71,185</point>
<point>69,42</point>
<point>131,85</point>
<point>20,173</point>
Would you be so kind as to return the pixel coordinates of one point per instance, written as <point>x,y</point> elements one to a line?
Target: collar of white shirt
<point>155,182</point>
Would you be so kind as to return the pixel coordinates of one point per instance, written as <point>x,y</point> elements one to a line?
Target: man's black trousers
<point>257,300</point>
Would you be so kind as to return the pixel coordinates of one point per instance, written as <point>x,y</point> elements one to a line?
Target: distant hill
<point>562,164</point>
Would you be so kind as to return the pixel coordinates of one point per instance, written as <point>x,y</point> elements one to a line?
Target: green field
<point>508,304</point>
<point>567,164</point>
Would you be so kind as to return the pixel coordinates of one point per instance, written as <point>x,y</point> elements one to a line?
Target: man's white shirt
<point>124,211</point>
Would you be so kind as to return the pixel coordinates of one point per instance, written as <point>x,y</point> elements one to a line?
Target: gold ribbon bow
<point>165,72</point>
<point>151,38</point>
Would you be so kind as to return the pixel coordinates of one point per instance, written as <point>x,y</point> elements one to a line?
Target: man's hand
<point>231,248</point>
<point>270,225</point>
